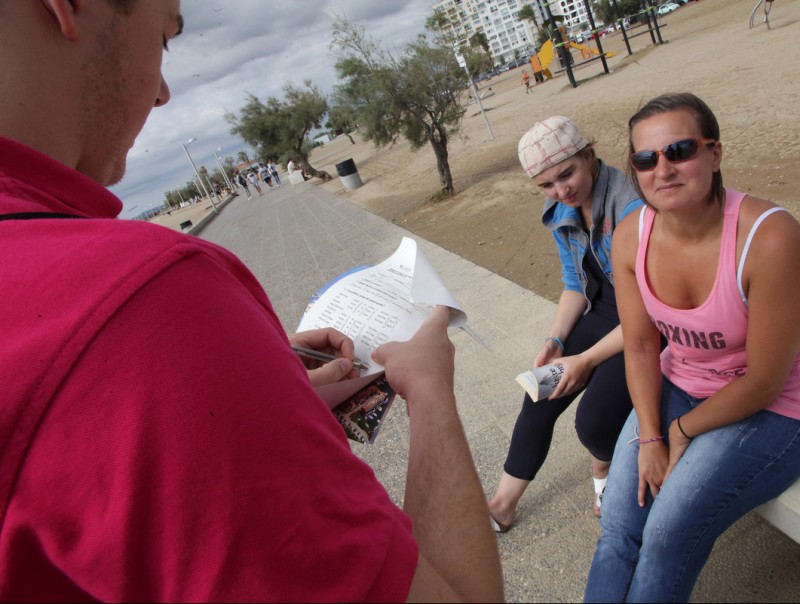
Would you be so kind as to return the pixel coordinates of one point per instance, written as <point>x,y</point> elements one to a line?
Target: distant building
<point>322,139</point>
<point>508,37</point>
<point>498,20</point>
<point>576,18</point>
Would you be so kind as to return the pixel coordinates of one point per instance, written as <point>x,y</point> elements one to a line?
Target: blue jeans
<point>655,553</point>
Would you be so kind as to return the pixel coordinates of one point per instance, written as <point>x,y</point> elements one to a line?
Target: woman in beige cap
<point>585,200</point>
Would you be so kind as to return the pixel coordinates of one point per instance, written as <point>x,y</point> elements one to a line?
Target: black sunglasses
<point>683,150</point>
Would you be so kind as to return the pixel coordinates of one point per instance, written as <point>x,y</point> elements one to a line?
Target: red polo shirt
<point>160,441</point>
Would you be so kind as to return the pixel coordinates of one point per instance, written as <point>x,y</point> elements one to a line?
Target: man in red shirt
<point>122,481</point>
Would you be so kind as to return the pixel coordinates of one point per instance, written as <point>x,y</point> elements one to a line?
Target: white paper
<point>384,303</point>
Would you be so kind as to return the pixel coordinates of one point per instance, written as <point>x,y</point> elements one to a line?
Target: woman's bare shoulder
<point>777,237</point>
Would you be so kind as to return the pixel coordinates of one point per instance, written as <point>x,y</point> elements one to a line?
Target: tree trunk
<point>312,172</point>
<point>440,150</point>
<point>350,137</point>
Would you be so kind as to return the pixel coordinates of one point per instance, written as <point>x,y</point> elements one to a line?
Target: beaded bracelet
<point>557,341</point>
<point>649,440</point>
<point>644,441</point>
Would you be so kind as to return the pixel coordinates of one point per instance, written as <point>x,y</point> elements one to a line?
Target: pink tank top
<point>706,344</point>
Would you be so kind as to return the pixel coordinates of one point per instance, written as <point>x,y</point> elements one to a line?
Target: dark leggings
<point>601,412</point>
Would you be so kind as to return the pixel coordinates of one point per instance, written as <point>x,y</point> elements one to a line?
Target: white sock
<point>599,484</point>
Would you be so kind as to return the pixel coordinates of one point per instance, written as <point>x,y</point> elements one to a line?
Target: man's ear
<point>64,11</point>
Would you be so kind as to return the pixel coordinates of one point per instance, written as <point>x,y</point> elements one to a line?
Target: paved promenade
<point>298,237</point>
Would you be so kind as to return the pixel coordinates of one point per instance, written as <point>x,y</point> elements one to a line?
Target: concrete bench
<point>784,511</point>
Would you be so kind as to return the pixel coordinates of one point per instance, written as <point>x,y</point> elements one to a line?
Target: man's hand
<point>458,557</point>
<point>423,364</point>
<point>333,342</point>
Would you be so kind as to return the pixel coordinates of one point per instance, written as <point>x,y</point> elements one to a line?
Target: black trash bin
<point>348,173</point>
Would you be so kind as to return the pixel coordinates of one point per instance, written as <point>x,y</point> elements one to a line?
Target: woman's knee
<point>598,423</point>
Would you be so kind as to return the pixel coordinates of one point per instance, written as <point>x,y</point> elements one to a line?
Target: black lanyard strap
<point>32,215</point>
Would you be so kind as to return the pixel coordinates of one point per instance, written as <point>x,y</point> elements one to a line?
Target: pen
<point>323,356</point>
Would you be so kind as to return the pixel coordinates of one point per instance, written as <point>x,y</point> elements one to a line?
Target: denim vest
<point>614,198</point>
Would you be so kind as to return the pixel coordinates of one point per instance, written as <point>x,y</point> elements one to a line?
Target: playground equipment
<point>767,7</point>
<point>587,52</point>
<point>542,59</point>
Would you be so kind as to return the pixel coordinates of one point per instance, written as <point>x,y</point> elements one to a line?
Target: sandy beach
<point>749,77</point>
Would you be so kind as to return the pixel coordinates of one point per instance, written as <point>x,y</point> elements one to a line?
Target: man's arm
<point>458,557</point>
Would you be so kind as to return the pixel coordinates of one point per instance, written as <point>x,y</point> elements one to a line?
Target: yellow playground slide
<point>587,52</point>
<point>541,61</point>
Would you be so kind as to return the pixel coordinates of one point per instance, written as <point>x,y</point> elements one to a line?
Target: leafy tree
<point>477,61</point>
<point>242,157</point>
<point>171,199</point>
<point>229,165</point>
<point>607,13</point>
<point>207,179</point>
<point>341,119</point>
<point>479,40</point>
<point>217,177</point>
<point>437,22</point>
<point>526,13</point>
<point>416,96</point>
<point>478,56</point>
<point>279,128</point>
<point>174,198</point>
<point>545,32</point>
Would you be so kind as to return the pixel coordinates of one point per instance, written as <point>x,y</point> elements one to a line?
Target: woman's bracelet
<point>557,341</point>
<point>682,430</point>
<point>644,441</point>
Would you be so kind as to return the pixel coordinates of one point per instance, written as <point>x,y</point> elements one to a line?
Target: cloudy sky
<point>230,48</point>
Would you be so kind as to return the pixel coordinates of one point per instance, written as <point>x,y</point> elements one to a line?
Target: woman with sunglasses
<point>586,199</point>
<point>716,427</point>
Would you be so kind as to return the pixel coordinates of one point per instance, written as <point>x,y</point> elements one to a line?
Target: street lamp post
<point>196,173</point>
<point>222,169</point>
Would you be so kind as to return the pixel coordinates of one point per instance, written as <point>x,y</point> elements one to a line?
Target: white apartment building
<point>576,18</point>
<point>497,19</point>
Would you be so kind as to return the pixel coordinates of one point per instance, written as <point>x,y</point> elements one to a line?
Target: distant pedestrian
<point>253,178</point>
<point>273,169</point>
<point>526,80</point>
<point>243,183</point>
<point>265,175</point>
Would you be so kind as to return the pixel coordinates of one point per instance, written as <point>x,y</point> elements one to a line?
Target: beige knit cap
<point>548,143</point>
